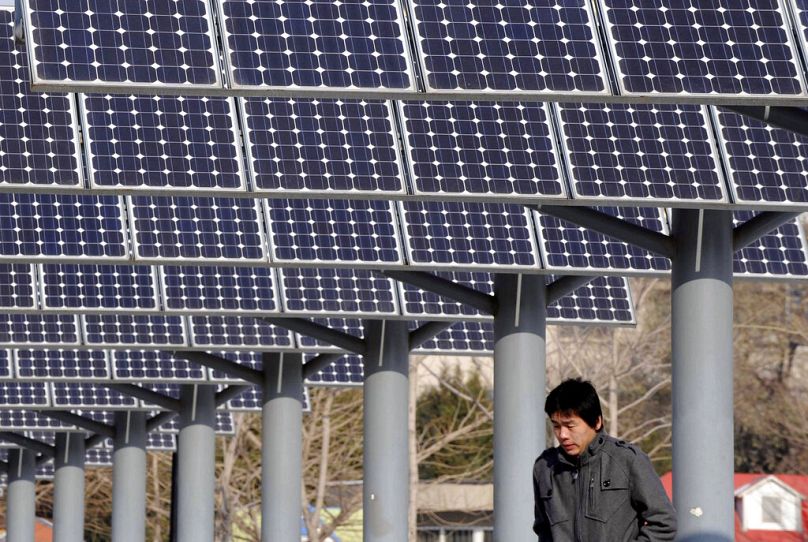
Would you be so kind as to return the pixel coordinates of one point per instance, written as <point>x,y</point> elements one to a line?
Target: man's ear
<point>599,423</point>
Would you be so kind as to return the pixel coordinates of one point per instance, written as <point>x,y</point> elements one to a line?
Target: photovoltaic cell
<point>23,420</point>
<point>333,231</point>
<point>548,46</point>
<point>315,44</point>
<point>155,441</point>
<point>233,331</point>
<point>765,165</point>
<point>134,330</point>
<point>89,396</point>
<point>640,152</point>
<point>346,371</point>
<point>162,142</point>
<point>46,225</point>
<point>98,457</point>
<point>6,372</point>
<point>452,234</point>
<point>332,146</point>
<point>422,303</point>
<point>781,253</point>
<point>24,395</point>
<point>196,228</point>
<point>566,246</point>
<point>349,326</point>
<point>58,365</point>
<point>481,148</point>
<point>604,300</point>
<point>735,47</point>
<point>224,424</point>
<point>98,287</point>
<point>154,365</point>
<point>250,400</point>
<point>25,329</point>
<point>38,132</point>
<point>253,360</point>
<point>323,290</point>
<point>232,289</point>
<point>463,338</point>
<point>17,286</point>
<point>122,44</point>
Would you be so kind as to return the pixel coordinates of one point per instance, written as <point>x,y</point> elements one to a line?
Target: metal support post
<point>519,391</point>
<point>21,498</point>
<point>701,306</point>
<point>386,462</point>
<point>129,478</point>
<point>196,463</point>
<point>68,488</point>
<point>281,453</point>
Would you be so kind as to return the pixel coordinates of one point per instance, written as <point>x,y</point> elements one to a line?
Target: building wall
<point>752,509</point>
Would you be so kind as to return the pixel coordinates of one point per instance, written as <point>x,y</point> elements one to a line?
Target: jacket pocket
<point>550,500</point>
<point>608,495</point>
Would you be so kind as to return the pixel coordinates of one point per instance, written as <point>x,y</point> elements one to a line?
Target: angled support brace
<point>28,443</point>
<point>422,334</point>
<point>753,229</point>
<point>565,285</point>
<point>318,363</point>
<point>426,281</point>
<point>793,119</point>
<point>146,395</point>
<point>79,421</point>
<point>224,365</point>
<point>610,226</point>
<point>160,419</point>
<point>322,333</point>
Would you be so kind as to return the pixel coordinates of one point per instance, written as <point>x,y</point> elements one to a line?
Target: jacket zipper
<point>579,505</point>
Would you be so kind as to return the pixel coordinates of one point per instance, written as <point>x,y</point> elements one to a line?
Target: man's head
<point>574,410</point>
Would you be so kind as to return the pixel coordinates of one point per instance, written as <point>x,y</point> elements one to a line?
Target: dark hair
<point>575,396</point>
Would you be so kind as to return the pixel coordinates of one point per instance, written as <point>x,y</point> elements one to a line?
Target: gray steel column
<point>701,306</point>
<point>21,498</point>
<point>386,462</point>
<point>281,454</point>
<point>129,478</point>
<point>196,463</point>
<point>68,488</point>
<point>519,391</point>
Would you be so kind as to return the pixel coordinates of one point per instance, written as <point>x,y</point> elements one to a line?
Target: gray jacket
<point>610,493</point>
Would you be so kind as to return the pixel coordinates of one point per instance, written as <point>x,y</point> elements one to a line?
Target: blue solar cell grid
<point>782,253</point>
<point>6,369</point>
<point>349,326</point>
<point>253,360</point>
<point>46,225</point>
<point>68,396</point>
<point>98,287</point>
<point>151,365</point>
<point>238,332</point>
<point>316,44</point>
<point>98,457</point>
<point>346,371</point>
<point>333,231</point>
<point>155,441</point>
<point>331,146</point>
<point>765,165</point>
<point>122,44</point>
<point>23,420</point>
<point>526,47</point>
<point>24,395</point>
<point>567,246</point>
<point>162,142</point>
<point>251,400</point>
<point>38,132</point>
<point>231,289</point>
<point>310,291</point>
<point>425,304</point>
<point>604,300</point>
<point>463,338</point>
<point>224,424</point>
<point>196,228</point>
<point>134,330</point>
<point>17,287</point>
<point>61,365</point>
<point>482,148</point>
<point>25,329</point>
<point>731,47</point>
<point>640,152</point>
<point>453,234</point>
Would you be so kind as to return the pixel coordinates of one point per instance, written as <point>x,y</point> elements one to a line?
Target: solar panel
<point>69,396</point>
<point>168,389</point>
<point>322,146</point>
<point>251,400</point>
<point>566,246</point>
<point>310,291</point>
<point>32,329</point>
<point>38,132</point>
<point>735,47</point>
<point>17,287</point>
<point>482,148</point>
<point>47,225</point>
<point>462,338</point>
<point>232,289</point>
<point>122,44</point>
<point>416,302</point>
<point>350,326</point>
<point>134,330</point>
<point>333,231</point>
<point>24,395</point>
<point>234,331</point>
<point>160,142</point>
<point>45,471</point>
<point>60,365</point>
<point>156,441</point>
<point>782,253</point>
<point>6,372</point>
<point>453,234</point>
<point>24,420</point>
<point>602,301</point>
<point>346,371</point>
<point>98,287</point>
<point>97,457</point>
<point>765,165</point>
<point>250,359</point>
<point>154,365</point>
<point>223,425</point>
<point>640,152</point>
<point>549,46</point>
<point>315,44</point>
<point>196,228</point>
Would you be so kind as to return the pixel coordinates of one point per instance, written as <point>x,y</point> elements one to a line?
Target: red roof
<point>798,482</point>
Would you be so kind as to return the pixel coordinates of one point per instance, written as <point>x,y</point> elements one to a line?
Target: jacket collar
<point>590,452</point>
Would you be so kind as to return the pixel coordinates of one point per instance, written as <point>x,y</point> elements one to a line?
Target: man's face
<point>572,433</point>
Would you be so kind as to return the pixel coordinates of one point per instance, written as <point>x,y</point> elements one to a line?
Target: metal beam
<point>611,226</point>
<point>318,363</point>
<point>160,419</point>
<point>321,333</point>
<point>564,286</point>
<point>425,332</point>
<point>794,119</point>
<point>79,421</point>
<point>756,227</point>
<point>463,294</point>
<point>146,395</point>
<point>28,443</point>
<point>231,368</point>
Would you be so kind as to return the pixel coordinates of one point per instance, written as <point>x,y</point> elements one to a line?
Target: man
<point>592,487</point>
